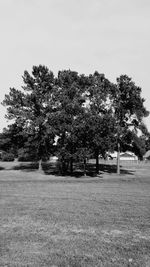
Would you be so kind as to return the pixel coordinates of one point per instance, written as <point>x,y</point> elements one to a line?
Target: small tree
<point>12,138</point>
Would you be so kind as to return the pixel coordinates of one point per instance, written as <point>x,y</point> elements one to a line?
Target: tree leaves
<point>85,114</point>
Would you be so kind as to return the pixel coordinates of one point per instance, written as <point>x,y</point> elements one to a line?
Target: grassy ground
<point>47,220</point>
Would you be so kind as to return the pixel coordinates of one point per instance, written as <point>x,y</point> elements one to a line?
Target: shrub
<point>25,155</point>
<point>8,157</point>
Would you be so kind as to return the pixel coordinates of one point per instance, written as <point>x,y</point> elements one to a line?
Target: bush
<point>25,155</point>
<point>8,157</point>
<point>25,158</point>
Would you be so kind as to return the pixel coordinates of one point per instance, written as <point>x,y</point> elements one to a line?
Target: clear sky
<point>110,36</point>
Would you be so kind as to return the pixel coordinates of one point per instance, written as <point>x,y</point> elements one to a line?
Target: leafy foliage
<point>32,109</point>
<point>7,156</point>
<point>128,108</point>
<point>74,117</point>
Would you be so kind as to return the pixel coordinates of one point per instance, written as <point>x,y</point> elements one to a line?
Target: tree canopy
<point>74,116</point>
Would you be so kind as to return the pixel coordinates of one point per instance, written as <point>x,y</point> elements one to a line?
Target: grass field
<point>47,220</point>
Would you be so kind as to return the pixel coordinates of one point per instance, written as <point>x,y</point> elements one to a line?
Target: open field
<point>46,220</point>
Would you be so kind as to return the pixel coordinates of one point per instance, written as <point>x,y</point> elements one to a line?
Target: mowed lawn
<point>64,221</point>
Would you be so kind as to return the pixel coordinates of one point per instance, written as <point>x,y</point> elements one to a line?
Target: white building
<point>124,155</point>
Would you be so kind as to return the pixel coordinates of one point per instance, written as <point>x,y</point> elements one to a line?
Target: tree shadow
<point>52,168</point>
<point>27,167</point>
<point>113,169</point>
<point>2,168</point>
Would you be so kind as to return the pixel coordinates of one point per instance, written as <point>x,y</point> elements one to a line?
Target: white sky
<point>111,36</point>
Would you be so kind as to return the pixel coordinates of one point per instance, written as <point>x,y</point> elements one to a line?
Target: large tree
<point>85,114</point>
<point>31,108</point>
<point>70,101</point>
<point>101,120</point>
<point>128,108</point>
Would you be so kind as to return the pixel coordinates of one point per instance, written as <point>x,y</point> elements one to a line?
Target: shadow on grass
<point>113,169</point>
<point>2,168</point>
<point>26,166</point>
<point>51,168</point>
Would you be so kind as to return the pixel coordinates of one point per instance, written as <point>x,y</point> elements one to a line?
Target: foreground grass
<point>58,221</point>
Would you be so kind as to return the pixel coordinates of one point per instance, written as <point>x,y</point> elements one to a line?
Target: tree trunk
<point>40,166</point>
<point>97,163</point>
<point>118,158</point>
<point>71,166</point>
<point>84,166</point>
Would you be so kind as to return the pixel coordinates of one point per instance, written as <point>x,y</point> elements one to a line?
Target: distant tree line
<point>74,117</point>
